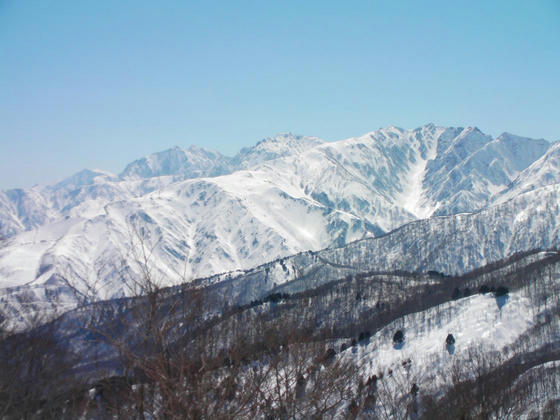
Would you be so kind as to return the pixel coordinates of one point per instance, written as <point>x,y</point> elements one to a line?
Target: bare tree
<point>36,373</point>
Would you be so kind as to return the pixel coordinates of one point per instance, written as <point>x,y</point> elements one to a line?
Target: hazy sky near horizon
<point>97,84</point>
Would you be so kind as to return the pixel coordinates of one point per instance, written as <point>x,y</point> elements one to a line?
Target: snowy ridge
<point>298,194</point>
<point>475,322</point>
<point>193,162</point>
<point>474,167</point>
<point>511,336</point>
<point>485,331</point>
<point>544,171</point>
<point>88,191</point>
<point>411,172</point>
<point>271,148</point>
<point>452,245</point>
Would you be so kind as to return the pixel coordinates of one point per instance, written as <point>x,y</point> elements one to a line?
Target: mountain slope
<point>543,171</point>
<point>502,358</point>
<point>452,244</point>
<point>471,167</point>
<point>193,162</point>
<point>414,173</point>
<point>271,148</point>
<point>88,191</point>
<point>299,194</point>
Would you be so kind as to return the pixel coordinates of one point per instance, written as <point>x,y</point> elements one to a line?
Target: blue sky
<point>97,84</point>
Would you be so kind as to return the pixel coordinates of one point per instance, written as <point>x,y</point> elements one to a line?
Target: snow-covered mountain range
<point>25,209</point>
<point>197,213</point>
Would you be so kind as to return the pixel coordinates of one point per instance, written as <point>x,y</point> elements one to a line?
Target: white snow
<point>298,194</point>
<point>413,195</point>
<point>475,322</point>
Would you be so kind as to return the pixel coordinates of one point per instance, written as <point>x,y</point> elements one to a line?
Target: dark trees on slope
<point>450,340</point>
<point>398,337</point>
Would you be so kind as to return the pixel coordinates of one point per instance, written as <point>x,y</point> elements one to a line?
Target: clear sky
<point>97,84</point>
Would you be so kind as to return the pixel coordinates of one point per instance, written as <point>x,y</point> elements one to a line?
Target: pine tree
<point>450,340</point>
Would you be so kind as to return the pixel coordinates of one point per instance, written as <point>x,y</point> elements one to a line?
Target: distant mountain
<point>87,191</point>
<point>271,148</point>
<point>450,245</point>
<point>23,209</point>
<point>197,213</point>
<point>471,167</point>
<point>543,171</point>
<point>194,162</point>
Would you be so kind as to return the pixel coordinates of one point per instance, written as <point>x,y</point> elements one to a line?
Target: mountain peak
<point>288,137</point>
<point>83,177</point>
<point>193,148</point>
<point>269,148</point>
<point>189,163</point>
